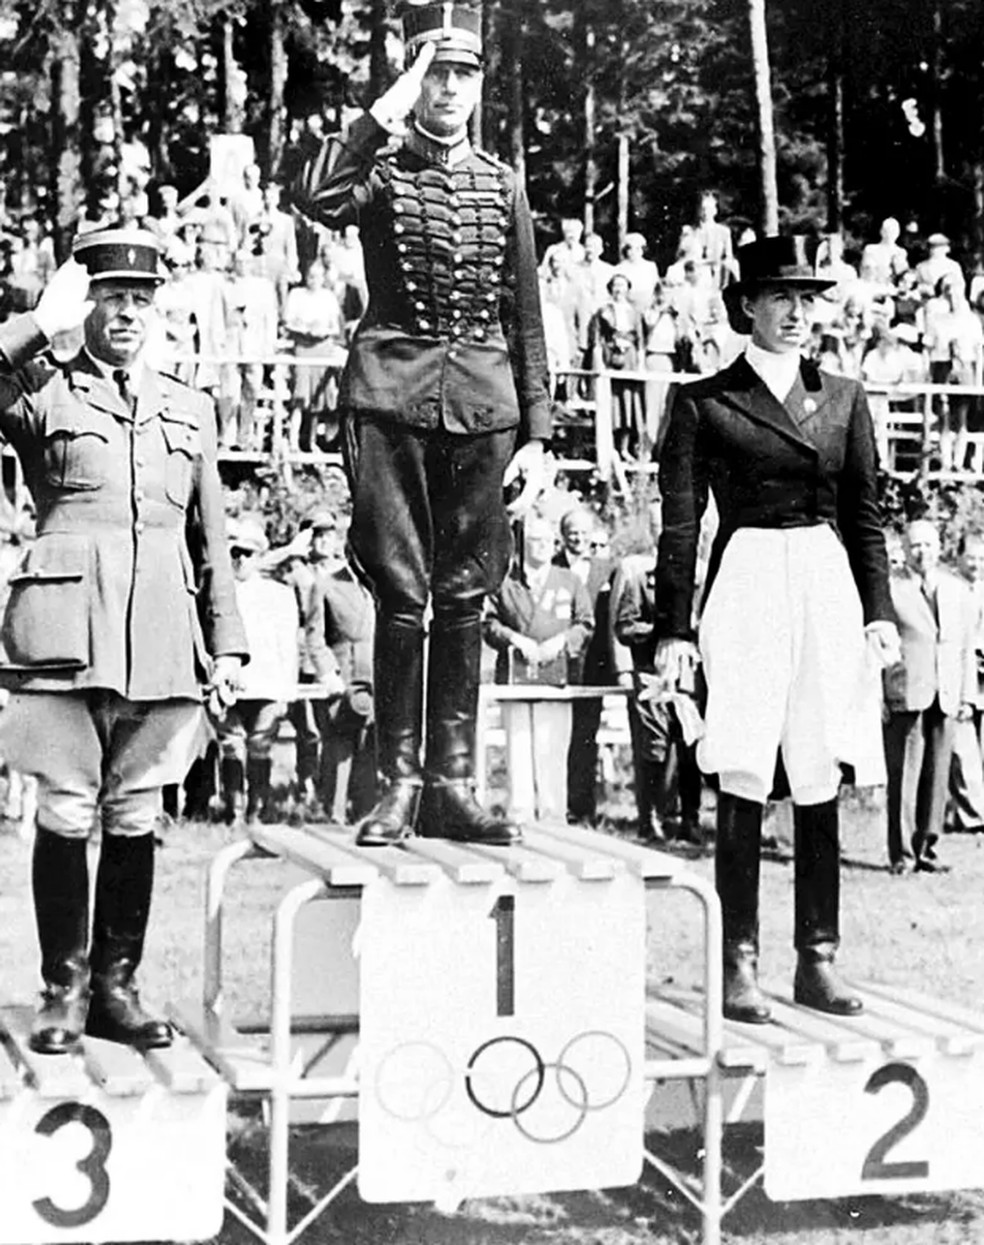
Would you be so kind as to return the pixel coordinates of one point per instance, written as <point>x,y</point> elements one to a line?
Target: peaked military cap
<point>454,26</point>
<point>120,251</point>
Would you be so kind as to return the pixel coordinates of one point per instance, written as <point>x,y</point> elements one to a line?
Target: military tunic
<point>450,349</point>
<point>105,609</point>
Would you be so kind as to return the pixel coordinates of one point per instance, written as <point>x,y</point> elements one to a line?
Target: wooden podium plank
<point>582,862</point>
<point>952,1038</point>
<point>242,1060</point>
<point>745,1046</point>
<point>120,1070</point>
<point>54,1076</point>
<point>458,861</point>
<point>815,1028</point>
<point>522,864</point>
<point>902,1042</point>
<point>649,863</point>
<point>400,866</point>
<point>972,1021</point>
<point>316,853</point>
<point>182,1069</point>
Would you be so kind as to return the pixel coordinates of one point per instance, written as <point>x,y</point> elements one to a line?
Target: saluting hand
<point>65,302</point>
<point>395,105</point>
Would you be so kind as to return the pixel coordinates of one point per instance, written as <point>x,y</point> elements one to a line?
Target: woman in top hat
<point>797,613</point>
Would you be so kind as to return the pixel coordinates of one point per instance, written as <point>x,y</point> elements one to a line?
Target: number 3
<point>875,1167</point>
<point>93,1166</point>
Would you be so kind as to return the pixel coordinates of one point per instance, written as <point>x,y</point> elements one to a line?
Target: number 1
<point>504,915</point>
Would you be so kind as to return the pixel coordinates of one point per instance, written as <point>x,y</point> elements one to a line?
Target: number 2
<point>875,1167</point>
<point>93,1166</point>
<point>504,914</point>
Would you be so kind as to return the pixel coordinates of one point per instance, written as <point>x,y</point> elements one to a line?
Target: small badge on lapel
<point>809,406</point>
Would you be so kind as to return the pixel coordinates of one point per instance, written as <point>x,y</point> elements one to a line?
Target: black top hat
<point>123,252</point>
<point>789,260</point>
<point>454,26</point>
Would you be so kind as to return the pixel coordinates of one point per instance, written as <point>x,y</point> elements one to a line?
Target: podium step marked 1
<point>906,1074</point>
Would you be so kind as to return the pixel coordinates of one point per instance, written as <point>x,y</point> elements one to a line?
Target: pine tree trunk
<point>836,60</point>
<point>512,68</point>
<point>769,205</point>
<point>231,78</point>
<point>586,51</point>
<point>278,83</point>
<point>67,190</point>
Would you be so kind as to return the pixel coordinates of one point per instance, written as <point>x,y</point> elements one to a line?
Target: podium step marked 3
<point>97,1144</point>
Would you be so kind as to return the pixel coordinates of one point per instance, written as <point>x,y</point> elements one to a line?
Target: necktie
<point>122,378</point>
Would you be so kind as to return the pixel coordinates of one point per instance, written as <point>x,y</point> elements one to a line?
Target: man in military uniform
<point>106,650</point>
<point>446,375</point>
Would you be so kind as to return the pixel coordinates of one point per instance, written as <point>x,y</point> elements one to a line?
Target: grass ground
<point>925,931</point>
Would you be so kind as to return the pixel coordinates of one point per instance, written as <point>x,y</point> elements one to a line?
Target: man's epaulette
<point>489,158</point>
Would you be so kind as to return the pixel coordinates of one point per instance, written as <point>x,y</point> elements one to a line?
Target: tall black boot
<point>124,882</point>
<point>398,671</point>
<point>736,875</point>
<point>258,771</point>
<point>60,882</point>
<point>817,921</point>
<point>449,809</point>
<point>233,779</point>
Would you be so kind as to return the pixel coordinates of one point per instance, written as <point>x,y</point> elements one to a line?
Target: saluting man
<point>797,617</point>
<point>106,648</point>
<point>446,377</point>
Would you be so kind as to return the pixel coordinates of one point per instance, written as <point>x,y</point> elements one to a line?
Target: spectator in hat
<point>938,265</point>
<point>796,608</point>
<point>122,609</point>
<point>445,404</point>
<point>567,254</point>
<point>340,629</point>
<point>615,335</point>
<point>247,730</point>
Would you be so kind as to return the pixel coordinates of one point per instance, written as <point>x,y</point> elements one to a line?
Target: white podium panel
<point>501,1038</point>
<point>111,1168</point>
<point>878,1125</point>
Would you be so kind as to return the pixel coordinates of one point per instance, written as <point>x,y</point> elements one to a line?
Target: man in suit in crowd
<point>966,770</point>
<point>797,606</point>
<point>539,622</point>
<point>106,650</point>
<point>445,404</point>
<point>597,662</point>
<point>925,693</point>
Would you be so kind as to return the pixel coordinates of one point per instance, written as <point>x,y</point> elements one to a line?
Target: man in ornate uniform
<point>445,377</point>
<point>106,651</point>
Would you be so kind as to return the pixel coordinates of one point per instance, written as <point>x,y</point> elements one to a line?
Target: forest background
<point>617,111</point>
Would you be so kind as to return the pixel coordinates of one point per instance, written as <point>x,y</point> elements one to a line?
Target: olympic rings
<point>594,1035</point>
<point>581,1108</point>
<point>422,1066</point>
<point>512,1110</point>
<point>416,1081</point>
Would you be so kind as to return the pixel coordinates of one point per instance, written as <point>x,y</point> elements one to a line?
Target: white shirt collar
<point>134,371</point>
<point>777,371</point>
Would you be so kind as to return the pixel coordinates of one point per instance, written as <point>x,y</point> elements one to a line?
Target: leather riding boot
<point>736,876</point>
<point>398,671</point>
<point>60,882</point>
<point>817,934</point>
<point>257,787</point>
<point>232,777</point>
<point>124,882</point>
<point>448,808</point>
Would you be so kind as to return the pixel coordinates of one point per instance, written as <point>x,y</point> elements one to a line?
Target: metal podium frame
<point>338,869</point>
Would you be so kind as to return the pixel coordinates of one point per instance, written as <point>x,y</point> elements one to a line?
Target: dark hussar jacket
<point>452,337</point>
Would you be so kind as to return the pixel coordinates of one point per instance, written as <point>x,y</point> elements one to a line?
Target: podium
<point>106,1144</point>
<point>501,1019</point>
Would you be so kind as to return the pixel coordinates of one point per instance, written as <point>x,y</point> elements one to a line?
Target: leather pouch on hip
<point>46,621</point>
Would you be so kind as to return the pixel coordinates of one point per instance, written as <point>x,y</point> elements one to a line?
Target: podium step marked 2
<point>905,1073</point>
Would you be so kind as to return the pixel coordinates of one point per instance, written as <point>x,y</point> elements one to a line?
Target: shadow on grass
<point>652,1212</point>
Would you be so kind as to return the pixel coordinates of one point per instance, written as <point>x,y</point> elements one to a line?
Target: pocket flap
<point>181,437</point>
